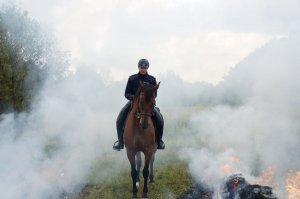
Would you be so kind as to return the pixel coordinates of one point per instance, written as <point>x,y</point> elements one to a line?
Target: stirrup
<point>118,145</point>
<point>161,145</point>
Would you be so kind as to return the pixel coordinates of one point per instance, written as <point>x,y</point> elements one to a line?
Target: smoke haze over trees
<point>27,57</point>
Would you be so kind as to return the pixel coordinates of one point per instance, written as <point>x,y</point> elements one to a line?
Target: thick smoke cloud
<point>57,147</point>
<point>51,149</point>
<point>263,129</point>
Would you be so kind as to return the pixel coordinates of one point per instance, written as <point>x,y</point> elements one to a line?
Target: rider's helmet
<point>143,63</point>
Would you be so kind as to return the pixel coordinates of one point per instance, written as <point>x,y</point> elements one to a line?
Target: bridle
<point>139,113</point>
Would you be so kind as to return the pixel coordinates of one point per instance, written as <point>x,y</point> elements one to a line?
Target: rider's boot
<point>118,145</point>
<point>159,121</point>
<point>160,144</point>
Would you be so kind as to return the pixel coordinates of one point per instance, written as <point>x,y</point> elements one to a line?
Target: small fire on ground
<point>292,179</point>
<point>293,185</point>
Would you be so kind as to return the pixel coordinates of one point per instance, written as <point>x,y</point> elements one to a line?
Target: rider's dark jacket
<point>133,84</point>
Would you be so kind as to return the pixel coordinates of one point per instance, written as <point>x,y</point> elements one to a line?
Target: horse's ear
<point>157,86</point>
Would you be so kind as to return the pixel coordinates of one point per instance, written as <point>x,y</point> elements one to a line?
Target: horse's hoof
<point>134,196</point>
<point>152,181</point>
<point>145,196</point>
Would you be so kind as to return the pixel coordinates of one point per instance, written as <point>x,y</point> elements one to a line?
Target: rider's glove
<point>129,97</point>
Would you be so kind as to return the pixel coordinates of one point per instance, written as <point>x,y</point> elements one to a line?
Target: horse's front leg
<point>151,169</point>
<point>134,187</point>
<point>131,157</point>
<point>148,157</point>
<point>138,160</point>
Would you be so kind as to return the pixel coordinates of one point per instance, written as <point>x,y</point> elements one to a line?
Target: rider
<point>130,91</point>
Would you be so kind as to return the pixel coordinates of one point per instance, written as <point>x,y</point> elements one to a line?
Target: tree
<point>27,58</point>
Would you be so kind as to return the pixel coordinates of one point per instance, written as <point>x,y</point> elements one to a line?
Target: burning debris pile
<point>234,187</point>
<point>256,191</point>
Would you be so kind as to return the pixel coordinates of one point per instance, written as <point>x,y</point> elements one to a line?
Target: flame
<point>234,159</point>
<point>230,167</point>
<point>227,168</point>
<point>293,185</point>
<point>267,177</point>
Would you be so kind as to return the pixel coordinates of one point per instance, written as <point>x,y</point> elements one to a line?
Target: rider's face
<point>143,70</point>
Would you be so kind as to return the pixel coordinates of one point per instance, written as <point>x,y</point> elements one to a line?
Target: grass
<point>172,179</point>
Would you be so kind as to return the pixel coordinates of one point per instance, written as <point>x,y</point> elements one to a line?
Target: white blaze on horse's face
<point>146,104</point>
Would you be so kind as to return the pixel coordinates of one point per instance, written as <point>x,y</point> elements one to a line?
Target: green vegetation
<point>171,181</point>
<point>26,56</point>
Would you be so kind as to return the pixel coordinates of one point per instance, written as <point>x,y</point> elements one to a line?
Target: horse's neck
<point>134,108</point>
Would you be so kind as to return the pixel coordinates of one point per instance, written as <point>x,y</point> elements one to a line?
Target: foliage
<point>26,59</point>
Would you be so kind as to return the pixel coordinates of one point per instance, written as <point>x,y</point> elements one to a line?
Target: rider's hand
<point>131,97</point>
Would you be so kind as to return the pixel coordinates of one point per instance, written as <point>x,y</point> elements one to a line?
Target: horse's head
<point>146,102</point>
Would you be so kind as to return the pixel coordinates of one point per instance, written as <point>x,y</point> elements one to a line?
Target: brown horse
<point>139,135</point>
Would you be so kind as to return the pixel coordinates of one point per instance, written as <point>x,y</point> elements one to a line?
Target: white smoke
<point>52,149</point>
<point>263,131</point>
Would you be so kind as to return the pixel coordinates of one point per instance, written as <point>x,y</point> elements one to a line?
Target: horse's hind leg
<point>138,160</point>
<point>131,157</point>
